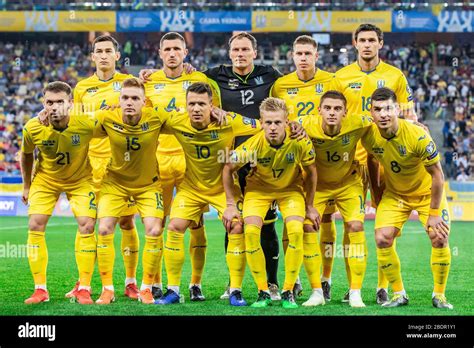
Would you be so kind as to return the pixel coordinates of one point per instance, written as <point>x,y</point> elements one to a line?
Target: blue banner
<point>223,21</point>
<point>8,205</point>
<point>426,21</point>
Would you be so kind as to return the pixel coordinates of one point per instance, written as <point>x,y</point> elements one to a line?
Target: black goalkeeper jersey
<point>243,94</point>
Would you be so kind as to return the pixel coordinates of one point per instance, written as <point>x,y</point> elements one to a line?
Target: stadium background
<point>43,41</point>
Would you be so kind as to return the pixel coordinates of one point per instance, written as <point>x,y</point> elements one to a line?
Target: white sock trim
<point>130,281</point>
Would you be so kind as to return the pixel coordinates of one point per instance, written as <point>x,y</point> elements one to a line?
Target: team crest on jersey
<point>380,83</point>
<point>159,86</point>
<point>402,149</point>
<point>76,139</point>
<point>214,134</point>
<point>319,88</point>
<point>92,90</point>
<point>117,86</point>
<point>249,121</point>
<point>292,91</point>
<point>430,148</point>
<point>346,139</point>
<point>290,157</point>
<point>355,85</point>
<point>186,85</point>
<point>259,80</point>
<point>233,83</point>
<point>145,126</point>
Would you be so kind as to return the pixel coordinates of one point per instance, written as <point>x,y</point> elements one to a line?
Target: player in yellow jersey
<point>357,81</point>
<point>62,165</point>
<point>276,175</point>
<point>205,145</point>
<point>335,136</point>
<point>414,180</point>
<point>100,91</point>
<point>301,90</point>
<point>133,131</point>
<point>166,89</point>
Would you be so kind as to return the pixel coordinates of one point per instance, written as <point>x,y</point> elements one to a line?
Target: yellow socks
<point>174,257</point>
<point>151,255</point>
<point>197,253</point>
<point>294,253</point>
<point>106,258</point>
<point>389,263</point>
<point>357,258</point>
<point>235,258</point>
<point>382,281</point>
<point>328,245</point>
<point>440,264</point>
<point>312,259</point>
<point>86,252</point>
<point>37,256</point>
<point>255,256</point>
<point>130,246</point>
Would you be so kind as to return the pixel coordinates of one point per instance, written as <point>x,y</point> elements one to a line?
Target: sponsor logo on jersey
<point>410,93</point>
<point>355,85</point>
<point>346,139</point>
<point>402,149</point>
<point>264,161</point>
<point>117,126</point>
<point>290,157</point>
<point>259,80</point>
<point>380,83</point>
<point>214,134</point>
<point>159,86</point>
<point>319,88</point>
<point>92,90</point>
<point>430,148</point>
<point>319,141</point>
<point>186,85</point>
<point>292,91</point>
<point>233,83</point>
<point>378,150</point>
<point>188,135</point>
<point>48,142</point>
<point>76,139</point>
<point>117,86</point>
<point>422,137</point>
<point>145,126</point>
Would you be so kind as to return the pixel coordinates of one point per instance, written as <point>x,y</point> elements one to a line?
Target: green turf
<point>16,282</point>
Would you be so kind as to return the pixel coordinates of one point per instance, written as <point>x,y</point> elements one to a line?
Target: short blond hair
<point>273,104</point>
<point>133,82</point>
<point>305,40</point>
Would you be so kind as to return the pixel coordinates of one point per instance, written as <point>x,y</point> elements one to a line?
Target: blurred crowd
<point>440,76</point>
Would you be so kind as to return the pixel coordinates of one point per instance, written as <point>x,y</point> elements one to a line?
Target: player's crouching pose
<point>414,181</point>
<point>276,162</point>
<point>133,130</point>
<point>62,165</point>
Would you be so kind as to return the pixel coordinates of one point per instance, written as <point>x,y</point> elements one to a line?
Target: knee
<point>126,222</point>
<point>175,227</point>
<point>154,231</point>
<point>383,241</point>
<point>354,226</point>
<point>87,226</point>
<point>105,229</point>
<point>236,228</point>
<point>36,225</point>
<point>439,241</point>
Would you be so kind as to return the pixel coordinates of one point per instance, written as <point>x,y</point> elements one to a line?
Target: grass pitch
<point>413,247</point>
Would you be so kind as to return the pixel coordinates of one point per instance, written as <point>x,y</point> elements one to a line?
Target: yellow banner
<point>318,21</point>
<point>57,21</point>
<point>12,21</point>
<point>461,211</point>
<point>348,21</point>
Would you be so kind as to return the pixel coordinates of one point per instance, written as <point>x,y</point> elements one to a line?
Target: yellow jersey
<point>170,94</point>
<point>206,149</point>
<point>92,94</point>
<point>131,164</point>
<point>274,168</point>
<point>358,85</point>
<point>335,154</point>
<point>404,157</point>
<point>62,155</point>
<point>302,97</point>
